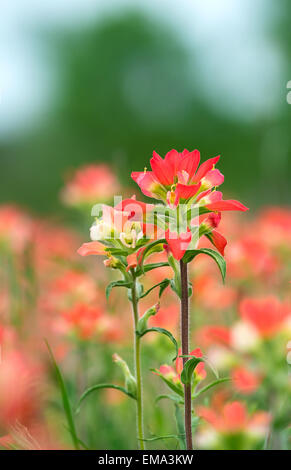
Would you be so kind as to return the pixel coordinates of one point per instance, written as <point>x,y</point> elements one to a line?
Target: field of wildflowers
<point>91,342</point>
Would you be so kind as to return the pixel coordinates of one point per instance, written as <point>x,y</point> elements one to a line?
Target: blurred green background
<point>86,81</point>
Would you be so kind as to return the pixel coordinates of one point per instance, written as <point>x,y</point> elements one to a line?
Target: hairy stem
<point>137,347</point>
<point>185,350</point>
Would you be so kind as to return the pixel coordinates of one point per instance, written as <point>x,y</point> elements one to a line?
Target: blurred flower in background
<point>89,185</point>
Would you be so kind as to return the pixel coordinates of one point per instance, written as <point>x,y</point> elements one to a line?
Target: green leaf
<point>120,283</point>
<point>65,400</point>
<point>205,360</point>
<point>163,284</point>
<point>220,261</point>
<point>150,248</point>
<point>99,387</point>
<point>174,398</point>
<point>117,251</point>
<point>209,386</point>
<point>176,286</point>
<point>157,438</point>
<point>151,266</point>
<point>163,332</point>
<point>188,369</point>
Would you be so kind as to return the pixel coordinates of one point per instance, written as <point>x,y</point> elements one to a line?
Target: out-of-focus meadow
<point>88,92</point>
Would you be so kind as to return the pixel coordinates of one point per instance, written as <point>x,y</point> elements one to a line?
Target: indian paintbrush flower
<point>189,192</point>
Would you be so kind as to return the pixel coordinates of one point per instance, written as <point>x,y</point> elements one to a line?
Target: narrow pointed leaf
<point>65,400</point>
<point>163,332</point>
<point>206,361</point>
<point>174,398</point>
<point>99,387</point>
<point>151,266</point>
<point>117,251</point>
<point>220,261</point>
<point>151,247</point>
<point>171,385</point>
<point>209,386</point>
<point>188,369</point>
<point>120,283</point>
<point>163,284</point>
<point>158,438</point>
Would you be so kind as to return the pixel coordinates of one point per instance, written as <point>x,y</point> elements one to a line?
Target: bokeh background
<point>86,81</point>
<point>107,82</point>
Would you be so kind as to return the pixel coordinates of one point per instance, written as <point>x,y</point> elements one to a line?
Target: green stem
<point>137,347</point>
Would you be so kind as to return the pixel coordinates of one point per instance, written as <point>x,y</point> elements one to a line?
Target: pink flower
<point>267,314</point>
<point>92,248</point>
<point>19,394</point>
<point>233,418</point>
<point>89,185</point>
<point>245,381</point>
<point>209,335</point>
<point>16,228</point>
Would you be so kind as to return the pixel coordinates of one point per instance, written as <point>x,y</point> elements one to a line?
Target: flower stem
<point>185,350</point>
<point>137,347</point>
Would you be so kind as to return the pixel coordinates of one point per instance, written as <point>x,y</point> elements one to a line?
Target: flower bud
<point>130,382</point>
<point>142,323</point>
<point>112,262</point>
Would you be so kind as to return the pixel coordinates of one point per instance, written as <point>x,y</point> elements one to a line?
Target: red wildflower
<point>233,418</point>
<point>19,396</point>
<point>178,243</point>
<point>89,185</point>
<point>208,335</point>
<point>178,169</point>
<point>92,248</point>
<point>179,174</point>
<point>267,314</point>
<point>15,227</point>
<point>207,225</point>
<point>245,381</point>
<point>177,179</point>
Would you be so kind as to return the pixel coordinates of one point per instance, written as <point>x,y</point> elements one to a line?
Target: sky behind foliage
<point>86,81</point>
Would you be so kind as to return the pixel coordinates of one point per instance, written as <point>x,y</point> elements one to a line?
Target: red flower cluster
<point>178,180</point>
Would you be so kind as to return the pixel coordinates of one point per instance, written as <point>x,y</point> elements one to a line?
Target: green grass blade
<point>65,400</point>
